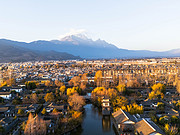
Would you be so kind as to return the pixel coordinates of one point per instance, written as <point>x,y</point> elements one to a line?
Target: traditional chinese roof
<point>144,127</point>
<point>121,116</point>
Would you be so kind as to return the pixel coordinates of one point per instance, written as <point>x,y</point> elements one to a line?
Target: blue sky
<point>129,24</point>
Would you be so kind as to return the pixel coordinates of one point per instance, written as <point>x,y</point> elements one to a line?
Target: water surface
<point>94,123</point>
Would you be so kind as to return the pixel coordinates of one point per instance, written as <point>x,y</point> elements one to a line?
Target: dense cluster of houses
<point>65,70</point>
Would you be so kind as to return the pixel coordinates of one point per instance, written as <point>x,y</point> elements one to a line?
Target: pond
<point>94,123</point>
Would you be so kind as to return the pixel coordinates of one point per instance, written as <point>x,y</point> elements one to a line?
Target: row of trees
<point>135,81</point>
<point>35,126</point>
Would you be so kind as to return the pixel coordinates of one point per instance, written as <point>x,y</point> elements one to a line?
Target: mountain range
<point>71,47</point>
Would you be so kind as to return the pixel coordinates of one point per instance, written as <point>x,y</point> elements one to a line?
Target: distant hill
<point>12,53</point>
<point>76,45</point>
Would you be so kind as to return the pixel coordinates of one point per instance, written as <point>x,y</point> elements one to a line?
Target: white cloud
<point>73,32</point>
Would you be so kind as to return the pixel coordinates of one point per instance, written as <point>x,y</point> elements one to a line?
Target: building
<point>145,127</point>
<point>123,121</point>
<point>5,95</point>
<point>106,108</point>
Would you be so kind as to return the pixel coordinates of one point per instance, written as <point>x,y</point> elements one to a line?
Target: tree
<point>98,78</point>
<point>158,91</point>
<point>84,81</point>
<point>112,93</point>
<point>34,98</point>
<point>121,88</point>
<point>76,101</point>
<point>133,108</point>
<point>1,100</point>
<point>55,110</point>
<point>20,112</point>
<point>160,106</point>
<point>48,83</point>
<point>43,111</point>
<point>35,126</point>
<point>75,81</point>
<point>62,89</point>
<point>119,101</point>
<point>11,82</point>
<point>99,91</point>
<point>31,84</point>
<point>174,119</point>
<point>76,114</point>
<point>159,87</point>
<point>178,86</point>
<point>29,128</point>
<point>71,91</point>
<point>58,83</point>
<point>163,120</point>
<point>49,97</point>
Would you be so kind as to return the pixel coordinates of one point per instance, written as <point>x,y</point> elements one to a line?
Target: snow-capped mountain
<point>80,45</point>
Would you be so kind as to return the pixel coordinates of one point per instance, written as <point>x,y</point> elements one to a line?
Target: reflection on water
<point>94,123</point>
<point>106,123</point>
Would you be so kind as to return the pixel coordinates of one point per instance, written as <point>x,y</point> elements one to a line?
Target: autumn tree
<point>55,110</point>
<point>133,108</point>
<point>29,128</point>
<point>118,102</point>
<point>49,97</point>
<point>20,112</point>
<point>71,91</point>
<point>98,78</point>
<point>34,98</point>
<point>75,81</point>
<point>84,81</point>
<point>159,87</point>
<point>11,81</point>
<point>121,88</point>
<point>76,101</point>
<point>62,89</point>
<point>76,114</point>
<point>178,86</point>
<point>43,111</point>
<point>48,83</point>
<point>111,93</point>
<point>58,83</point>
<point>35,126</point>
<point>158,91</point>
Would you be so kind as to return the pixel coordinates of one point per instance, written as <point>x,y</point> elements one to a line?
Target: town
<point>139,96</point>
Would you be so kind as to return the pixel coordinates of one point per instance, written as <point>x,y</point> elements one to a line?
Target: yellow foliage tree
<point>121,88</point>
<point>49,97</point>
